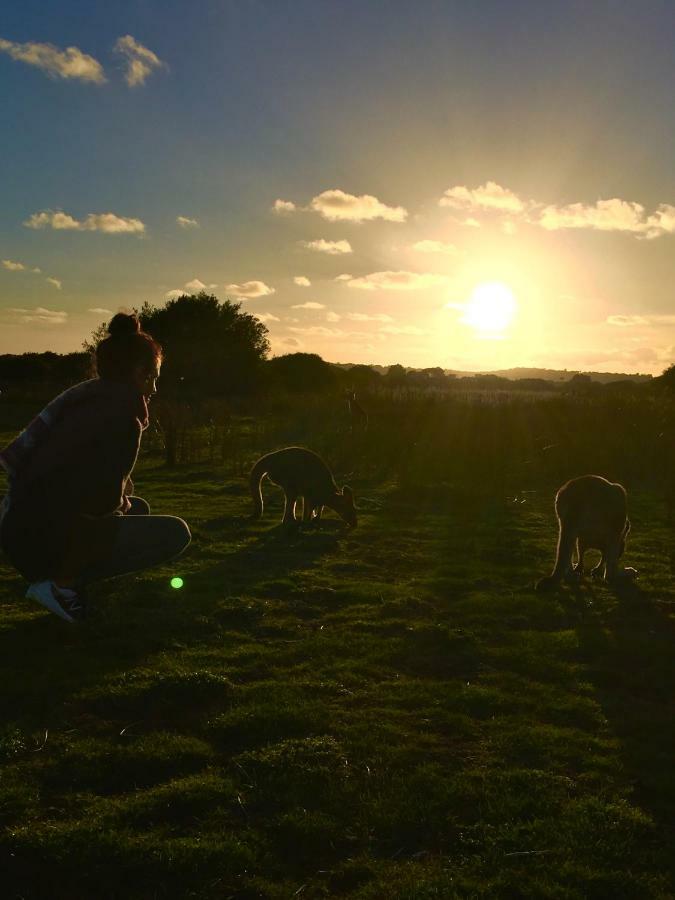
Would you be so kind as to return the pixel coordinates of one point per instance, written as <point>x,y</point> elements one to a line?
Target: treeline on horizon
<point>213,348</point>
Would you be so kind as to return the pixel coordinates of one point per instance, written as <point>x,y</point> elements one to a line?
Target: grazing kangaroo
<point>358,417</point>
<point>301,473</point>
<point>591,513</point>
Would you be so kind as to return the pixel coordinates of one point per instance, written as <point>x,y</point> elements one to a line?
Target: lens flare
<point>177,582</point>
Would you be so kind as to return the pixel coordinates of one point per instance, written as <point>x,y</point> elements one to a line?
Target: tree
<point>210,347</point>
<point>300,373</point>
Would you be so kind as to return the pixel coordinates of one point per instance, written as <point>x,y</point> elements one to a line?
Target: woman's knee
<point>178,533</point>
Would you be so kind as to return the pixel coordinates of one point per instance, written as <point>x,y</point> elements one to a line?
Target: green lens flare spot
<point>176,583</point>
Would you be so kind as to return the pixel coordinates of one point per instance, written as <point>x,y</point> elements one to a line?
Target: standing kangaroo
<point>301,473</point>
<point>591,513</point>
<point>358,417</point>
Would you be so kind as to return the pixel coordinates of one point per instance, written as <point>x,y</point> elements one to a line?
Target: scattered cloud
<point>338,206</point>
<point>290,344</point>
<point>302,281</point>
<point>489,196</point>
<point>310,305</point>
<point>471,223</point>
<point>174,294</point>
<point>13,266</point>
<point>396,281</point>
<point>55,282</point>
<point>39,316</point>
<point>184,222</point>
<point>140,62</point>
<point>284,206</point>
<point>250,289</point>
<point>429,246</point>
<point>610,215</point>
<point>509,227</point>
<point>633,321</point>
<point>367,317</point>
<point>343,277</point>
<point>332,317</point>
<point>334,248</point>
<point>100,311</point>
<point>68,63</point>
<point>604,215</point>
<point>267,317</point>
<point>195,286</point>
<point>402,329</point>
<point>319,331</point>
<point>108,223</point>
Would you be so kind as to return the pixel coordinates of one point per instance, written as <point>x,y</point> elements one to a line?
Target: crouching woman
<point>70,516</point>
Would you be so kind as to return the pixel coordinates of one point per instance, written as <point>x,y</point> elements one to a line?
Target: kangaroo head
<point>344,506</point>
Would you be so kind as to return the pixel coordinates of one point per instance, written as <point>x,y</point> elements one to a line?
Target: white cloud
<point>428,246</point>
<point>334,248</point>
<point>396,281</point>
<point>267,317</point>
<point>68,63</point>
<point>366,317</point>
<point>490,196</point>
<point>471,223</point>
<point>284,206</point>
<point>509,227</point>
<point>319,331</point>
<point>633,321</point>
<point>250,289</point>
<point>184,222</point>
<point>403,329</point>
<point>195,286</point>
<point>289,344</point>
<point>108,223</point>
<point>332,317</point>
<point>338,206</point>
<point>343,277</point>
<point>140,61</point>
<point>661,222</point>
<point>39,316</point>
<point>309,305</point>
<point>100,311</point>
<point>13,266</point>
<point>302,281</point>
<point>604,215</point>
<point>55,282</point>
<point>174,294</point>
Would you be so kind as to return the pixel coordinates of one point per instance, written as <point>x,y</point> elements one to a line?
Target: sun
<point>491,307</point>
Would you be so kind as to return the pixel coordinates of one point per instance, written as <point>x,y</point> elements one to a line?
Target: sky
<point>476,186</point>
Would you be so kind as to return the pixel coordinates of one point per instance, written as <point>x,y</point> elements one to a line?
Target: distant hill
<point>566,374</point>
<point>518,373</point>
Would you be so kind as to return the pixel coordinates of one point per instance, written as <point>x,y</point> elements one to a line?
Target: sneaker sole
<point>50,603</point>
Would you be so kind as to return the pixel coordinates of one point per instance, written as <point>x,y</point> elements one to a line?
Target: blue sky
<point>526,146</point>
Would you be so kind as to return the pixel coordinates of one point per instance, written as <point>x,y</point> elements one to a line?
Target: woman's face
<point>146,380</point>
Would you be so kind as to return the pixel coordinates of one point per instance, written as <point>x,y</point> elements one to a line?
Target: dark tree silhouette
<point>300,373</point>
<point>210,346</point>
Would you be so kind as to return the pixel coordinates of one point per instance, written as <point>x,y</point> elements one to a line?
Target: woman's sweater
<point>73,460</point>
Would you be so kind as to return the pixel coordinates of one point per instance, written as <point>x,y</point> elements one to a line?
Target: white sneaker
<point>59,600</point>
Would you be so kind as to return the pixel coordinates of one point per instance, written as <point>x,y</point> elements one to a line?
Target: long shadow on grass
<point>630,651</point>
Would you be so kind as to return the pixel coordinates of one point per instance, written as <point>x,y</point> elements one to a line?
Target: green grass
<point>387,713</point>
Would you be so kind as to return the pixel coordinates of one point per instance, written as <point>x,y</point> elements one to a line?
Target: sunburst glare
<point>490,308</point>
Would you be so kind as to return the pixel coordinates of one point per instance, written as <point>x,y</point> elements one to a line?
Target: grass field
<point>391,712</point>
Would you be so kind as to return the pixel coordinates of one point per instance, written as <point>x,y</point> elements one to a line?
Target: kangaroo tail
<point>258,472</point>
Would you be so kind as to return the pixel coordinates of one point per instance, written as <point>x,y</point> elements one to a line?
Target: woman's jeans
<point>139,540</point>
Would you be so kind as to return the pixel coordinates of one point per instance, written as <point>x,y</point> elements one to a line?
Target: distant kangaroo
<point>591,513</point>
<point>358,417</point>
<point>301,473</point>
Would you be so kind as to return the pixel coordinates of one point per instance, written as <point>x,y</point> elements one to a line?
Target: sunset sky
<point>473,185</point>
